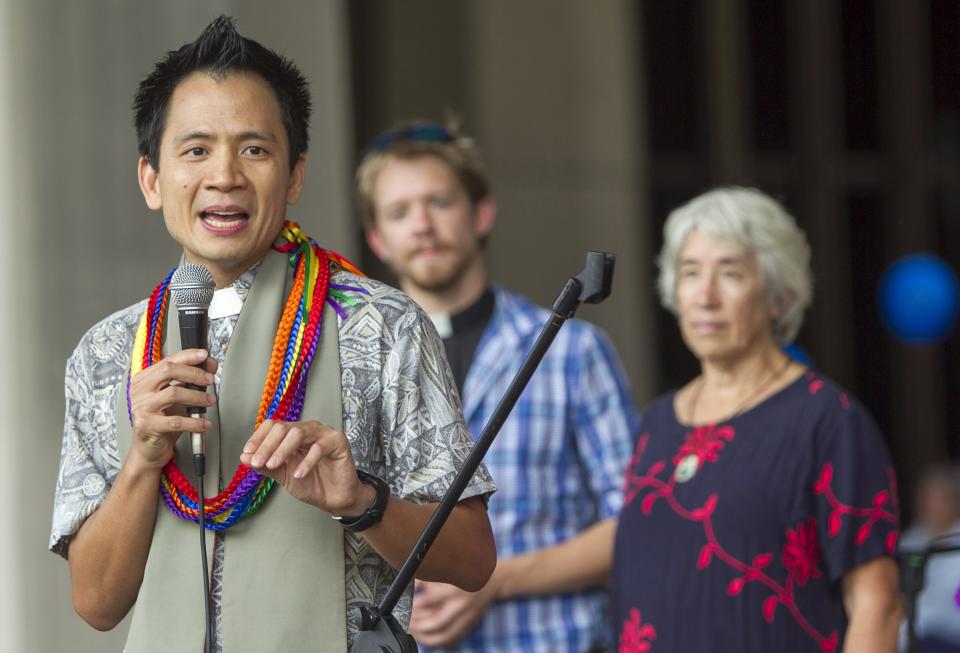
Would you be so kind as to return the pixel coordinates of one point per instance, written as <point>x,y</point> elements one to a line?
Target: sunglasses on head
<point>427,132</point>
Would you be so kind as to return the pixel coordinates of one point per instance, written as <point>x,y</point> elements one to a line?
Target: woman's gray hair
<point>746,218</point>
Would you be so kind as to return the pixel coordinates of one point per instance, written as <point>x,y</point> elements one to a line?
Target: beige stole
<point>283,573</point>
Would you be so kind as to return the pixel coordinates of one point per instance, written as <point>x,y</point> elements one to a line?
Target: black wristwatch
<point>374,513</point>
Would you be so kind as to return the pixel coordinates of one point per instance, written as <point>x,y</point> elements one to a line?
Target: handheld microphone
<point>192,289</point>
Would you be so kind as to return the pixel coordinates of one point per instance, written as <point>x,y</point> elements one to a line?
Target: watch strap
<point>374,513</point>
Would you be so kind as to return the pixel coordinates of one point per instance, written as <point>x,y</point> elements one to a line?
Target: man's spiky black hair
<point>219,51</point>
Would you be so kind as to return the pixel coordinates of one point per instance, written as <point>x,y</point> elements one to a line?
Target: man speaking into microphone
<point>332,424</point>
<point>427,210</point>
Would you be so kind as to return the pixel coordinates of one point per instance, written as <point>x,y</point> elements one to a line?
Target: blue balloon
<point>919,298</point>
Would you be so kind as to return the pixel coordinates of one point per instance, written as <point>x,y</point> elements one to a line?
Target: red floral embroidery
<point>635,459</point>
<point>801,552</point>
<point>816,385</point>
<point>630,492</point>
<point>871,515</point>
<point>801,556</point>
<point>635,636</point>
<point>893,536</point>
<point>705,442</point>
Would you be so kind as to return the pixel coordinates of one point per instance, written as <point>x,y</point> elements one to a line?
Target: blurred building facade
<point>600,118</point>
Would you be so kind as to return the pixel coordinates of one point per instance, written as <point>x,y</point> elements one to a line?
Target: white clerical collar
<point>443,324</point>
<point>226,302</point>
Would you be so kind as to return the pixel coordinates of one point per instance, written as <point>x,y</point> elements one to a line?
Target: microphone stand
<point>913,578</point>
<point>380,632</point>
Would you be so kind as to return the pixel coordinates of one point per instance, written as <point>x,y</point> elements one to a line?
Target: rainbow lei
<point>294,346</point>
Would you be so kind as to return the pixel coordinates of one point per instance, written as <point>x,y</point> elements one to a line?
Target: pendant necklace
<point>688,467</point>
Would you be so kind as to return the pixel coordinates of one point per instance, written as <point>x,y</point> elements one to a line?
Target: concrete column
<point>918,374</point>
<point>559,120</point>
<point>11,614</point>
<point>727,90</point>
<point>817,132</point>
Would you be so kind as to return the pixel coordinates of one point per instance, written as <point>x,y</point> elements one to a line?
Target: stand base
<point>386,636</point>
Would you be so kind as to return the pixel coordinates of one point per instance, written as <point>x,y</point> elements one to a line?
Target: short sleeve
<point>84,476</point>
<point>606,419</point>
<point>854,489</point>
<point>424,437</point>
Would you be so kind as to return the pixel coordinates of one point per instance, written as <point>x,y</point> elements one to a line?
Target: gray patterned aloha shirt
<point>389,353</point>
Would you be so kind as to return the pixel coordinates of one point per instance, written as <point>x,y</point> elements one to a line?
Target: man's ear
<point>149,184</point>
<point>485,216</point>
<point>295,187</point>
<point>376,244</point>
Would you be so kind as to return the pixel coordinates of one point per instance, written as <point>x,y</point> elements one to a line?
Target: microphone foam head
<point>192,286</point>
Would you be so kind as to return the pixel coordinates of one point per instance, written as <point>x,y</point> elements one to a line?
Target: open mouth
<point>224,221</point>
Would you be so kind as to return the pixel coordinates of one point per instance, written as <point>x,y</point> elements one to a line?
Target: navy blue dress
<point>735,536</point>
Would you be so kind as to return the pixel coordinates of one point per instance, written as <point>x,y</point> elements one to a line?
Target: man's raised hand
<point>158,401</point>
<point>312,462</point>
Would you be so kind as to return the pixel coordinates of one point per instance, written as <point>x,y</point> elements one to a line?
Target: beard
<point>441,273</point>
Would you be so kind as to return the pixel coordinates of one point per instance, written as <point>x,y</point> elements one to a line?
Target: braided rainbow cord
<point>294,347</point>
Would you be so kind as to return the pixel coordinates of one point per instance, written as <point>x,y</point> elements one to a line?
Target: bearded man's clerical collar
<point>449,325</point>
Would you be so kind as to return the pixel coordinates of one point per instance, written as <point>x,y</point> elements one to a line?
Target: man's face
<point>224,178</point>
<point>425,227</point>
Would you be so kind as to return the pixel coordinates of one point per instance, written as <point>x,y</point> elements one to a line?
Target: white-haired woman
<point>760,506</point>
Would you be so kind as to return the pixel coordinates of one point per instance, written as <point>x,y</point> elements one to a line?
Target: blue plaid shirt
<point>558,463</point>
